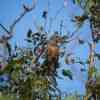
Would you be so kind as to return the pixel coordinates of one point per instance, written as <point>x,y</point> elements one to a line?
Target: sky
<point>10,9</point>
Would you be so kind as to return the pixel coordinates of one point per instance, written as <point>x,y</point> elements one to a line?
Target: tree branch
<point>9,34</point>
<point>4,28</point>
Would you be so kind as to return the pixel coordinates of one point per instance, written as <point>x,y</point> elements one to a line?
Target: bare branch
<point>27,9</point>
<point>4,28</point>
<point>73,36</point>
<point>55,17</point>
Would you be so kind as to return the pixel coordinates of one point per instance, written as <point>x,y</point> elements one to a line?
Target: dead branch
<point>4,28</point>
<point>9,34</point>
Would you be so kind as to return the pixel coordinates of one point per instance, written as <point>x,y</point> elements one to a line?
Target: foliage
<point>67,73</point>
<point>91,10</point>
<point>28,79</point>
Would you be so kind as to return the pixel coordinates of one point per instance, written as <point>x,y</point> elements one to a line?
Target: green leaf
<point>29,33</point>
<point>98,2</point>
<point>44,15</point>
<point>8,48</point>
<point>76,1</point>
<point>7,97</point>
<point>29,40</point>
<point>73,1</point>
<point>82,69</point>
<point>97,55</point>
<point>67,73</point>
<point>81,41</point>
<point>81,62</point>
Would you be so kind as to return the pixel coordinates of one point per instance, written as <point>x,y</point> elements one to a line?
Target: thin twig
<point>4,28</point>
<point>54,18</point>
